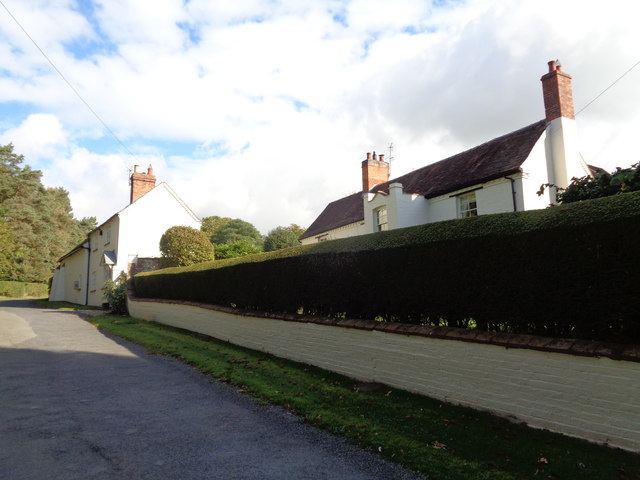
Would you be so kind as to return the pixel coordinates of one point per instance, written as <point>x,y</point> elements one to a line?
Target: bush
<point>23,289</point>
<point>623,180</point>
<point>181,246</point>
<point>115,292</point>
<point>566,271</point>
<point>236,249</point>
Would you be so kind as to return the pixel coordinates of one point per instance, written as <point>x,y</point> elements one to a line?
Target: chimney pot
<point>374,172</point>
<point>141,182</point>
<point>381,157</point>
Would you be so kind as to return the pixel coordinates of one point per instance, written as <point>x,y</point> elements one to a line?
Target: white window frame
<point>467,205</point>
<point>381,217</point>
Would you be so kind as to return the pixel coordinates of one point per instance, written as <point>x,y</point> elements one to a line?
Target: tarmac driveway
<point>77,404</point>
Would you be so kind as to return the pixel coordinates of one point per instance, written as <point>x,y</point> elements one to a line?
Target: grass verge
<point>44,303</point>
<point>443,441</point>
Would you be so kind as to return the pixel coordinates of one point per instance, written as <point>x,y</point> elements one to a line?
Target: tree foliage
<point>623,180</point>
<point>280,237</point>
<point>236,249</point>
<point>181,246</point>
<point>210,225</point>
<point>37,223</point>
<point>297,229</point>
<point>237,230</point>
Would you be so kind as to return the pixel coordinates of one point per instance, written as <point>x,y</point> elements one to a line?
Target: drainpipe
<point>513,192</point>
<point>86,293</point>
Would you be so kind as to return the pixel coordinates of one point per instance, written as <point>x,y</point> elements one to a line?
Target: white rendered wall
<point>535,174</point>
<point>76,270</point>
<point>495,197</point>
<point>143,223</point>
<point>350,230</point>
<point>72,269</point>
<point>406,210</point>
<point>587,397</point>
<point>56,293</point>
<point>99,273</point>
<point>403,209</point>
<point>562,151</point>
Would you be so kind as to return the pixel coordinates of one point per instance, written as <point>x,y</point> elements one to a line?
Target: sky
<point>264,109</point>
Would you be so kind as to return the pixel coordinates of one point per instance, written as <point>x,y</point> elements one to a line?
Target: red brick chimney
<point>141,183</point>
<point>374,171</point>
<point>557,92</point>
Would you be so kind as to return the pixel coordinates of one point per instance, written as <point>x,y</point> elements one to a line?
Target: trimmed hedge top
<point>500,224</point>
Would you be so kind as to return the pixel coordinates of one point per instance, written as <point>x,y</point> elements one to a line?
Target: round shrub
<point>181,246</point>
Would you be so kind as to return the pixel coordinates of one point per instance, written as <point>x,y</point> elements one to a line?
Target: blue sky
<point>263,110</point>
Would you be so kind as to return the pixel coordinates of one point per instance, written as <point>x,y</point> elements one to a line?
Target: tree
<point>210,225</point>
<point>181,246</point>
<point>297,229</point>
<point>280,237</point>
<point>39,219</point>
<point>9,251</point>
<point>237,230</point>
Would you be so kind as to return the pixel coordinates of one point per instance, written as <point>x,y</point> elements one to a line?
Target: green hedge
<point>23,289</point>
<point>567,271</point>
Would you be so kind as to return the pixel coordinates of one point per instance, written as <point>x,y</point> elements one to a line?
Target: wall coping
<point>569,346</point>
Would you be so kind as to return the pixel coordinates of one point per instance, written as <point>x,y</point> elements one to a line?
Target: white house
<point>122,243</point>
<point>501,175</point>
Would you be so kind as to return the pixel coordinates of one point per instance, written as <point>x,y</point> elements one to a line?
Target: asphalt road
<point>77,404</point>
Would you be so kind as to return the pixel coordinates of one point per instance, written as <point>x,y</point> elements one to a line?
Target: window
<point>468,205</point>
<point>381,219</point>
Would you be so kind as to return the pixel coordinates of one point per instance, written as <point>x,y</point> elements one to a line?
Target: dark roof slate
<point>337,214</point>
<point>491,160</point>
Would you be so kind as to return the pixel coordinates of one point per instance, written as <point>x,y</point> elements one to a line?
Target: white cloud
<point>280,100</point>
<point>39,137</point>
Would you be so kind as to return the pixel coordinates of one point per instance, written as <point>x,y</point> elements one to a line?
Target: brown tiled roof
<point>491,160</point>
<point>337,214</point>
<point>494,159</point>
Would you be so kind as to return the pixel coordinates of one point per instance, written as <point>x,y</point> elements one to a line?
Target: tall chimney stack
<point>374,171</point>
<point>557,92</point>
<point>561,144</point>
<point>141,183</point>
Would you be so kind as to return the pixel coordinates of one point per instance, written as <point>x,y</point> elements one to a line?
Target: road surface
<point>78,404</point>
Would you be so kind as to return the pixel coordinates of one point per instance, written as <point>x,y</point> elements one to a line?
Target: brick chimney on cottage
<point>557,92</point>
<point>564,161</point>
<point>374,171</point>
<point>141,183</point>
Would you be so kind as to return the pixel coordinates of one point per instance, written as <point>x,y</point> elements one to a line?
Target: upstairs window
<point>468,205</point>
<point>381,219</point>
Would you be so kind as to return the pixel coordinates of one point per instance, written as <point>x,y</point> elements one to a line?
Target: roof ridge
<point>388,182</point>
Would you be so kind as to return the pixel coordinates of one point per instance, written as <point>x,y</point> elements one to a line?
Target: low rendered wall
<point>582,389</point>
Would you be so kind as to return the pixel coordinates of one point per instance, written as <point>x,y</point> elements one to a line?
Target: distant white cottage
<point>501,175</point>
<point>123,243</point>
